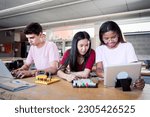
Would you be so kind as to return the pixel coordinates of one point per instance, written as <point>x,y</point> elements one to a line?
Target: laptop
<point>5,74</point>
<point>8,82</point>
<point>110,73</point>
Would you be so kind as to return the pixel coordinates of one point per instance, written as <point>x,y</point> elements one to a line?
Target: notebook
<point>110,73</point>
<point>16,85</point>
<point>7,81</point>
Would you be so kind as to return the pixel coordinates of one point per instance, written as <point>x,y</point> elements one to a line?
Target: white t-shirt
<point>123,54</point>
<point>42,57</point>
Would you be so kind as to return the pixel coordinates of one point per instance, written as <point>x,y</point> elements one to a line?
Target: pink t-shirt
<point>42,57</point>
<point>89,64</point>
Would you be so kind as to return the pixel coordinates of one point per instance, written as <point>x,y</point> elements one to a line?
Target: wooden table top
<point>63,90</point>
<point>145,72</point>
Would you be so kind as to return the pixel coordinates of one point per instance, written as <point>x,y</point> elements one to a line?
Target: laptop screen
<point>4,72</point>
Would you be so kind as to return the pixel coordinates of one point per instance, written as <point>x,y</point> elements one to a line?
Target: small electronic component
<point>43,77</point>
<point>84,83</point>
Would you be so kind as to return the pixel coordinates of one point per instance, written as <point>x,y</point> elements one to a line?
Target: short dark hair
<point>110,26</point>
<point>33,28</point>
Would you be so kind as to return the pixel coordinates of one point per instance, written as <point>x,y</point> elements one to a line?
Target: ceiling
<point>18,13</point>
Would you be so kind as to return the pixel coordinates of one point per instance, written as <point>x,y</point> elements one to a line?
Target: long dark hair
<point>110,26</point>
<point>72,59</point>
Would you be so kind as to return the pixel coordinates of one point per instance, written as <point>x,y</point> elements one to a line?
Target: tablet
<point>111,72</point>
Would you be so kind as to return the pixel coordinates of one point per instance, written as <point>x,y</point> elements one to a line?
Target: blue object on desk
<point>146,79</point>
<point>16,85</point>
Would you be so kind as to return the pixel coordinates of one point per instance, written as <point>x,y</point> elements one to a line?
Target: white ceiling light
<point>25,6</point>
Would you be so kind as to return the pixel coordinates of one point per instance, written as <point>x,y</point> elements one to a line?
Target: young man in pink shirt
<point>42,53</point>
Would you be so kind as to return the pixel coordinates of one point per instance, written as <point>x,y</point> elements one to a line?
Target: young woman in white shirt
<point>114,50</point>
